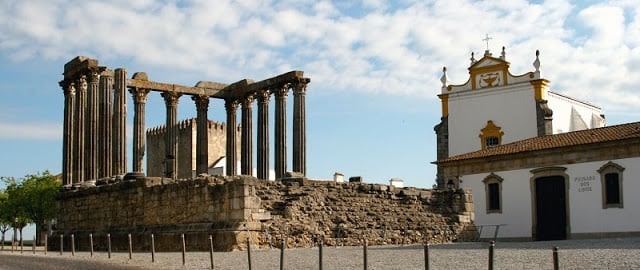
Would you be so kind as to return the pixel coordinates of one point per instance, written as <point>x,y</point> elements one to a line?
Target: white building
<point>539,162</point>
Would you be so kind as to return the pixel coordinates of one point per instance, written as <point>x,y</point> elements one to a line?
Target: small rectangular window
<point>494,196</point>
<point>612,188</point>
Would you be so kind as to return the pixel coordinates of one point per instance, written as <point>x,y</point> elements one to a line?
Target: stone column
<point>263,135</point>
<point>231,106</point>
<point>281,131</point>
<point>119,166</point>
<point>171,136</point>
<point>202,135</point>
<point>79,146</point>
<point>299,127</point>
<point>139,101</point>
<point>68,132</point>
<point>246,149</point>
<point>105,136</point>
<point>92,126</point>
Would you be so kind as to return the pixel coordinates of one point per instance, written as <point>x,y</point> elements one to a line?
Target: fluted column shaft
<point>281,131</point>
<point>171,136</point>
<point>139,101</point>
<point>79,145</point>
<point>246,149</point>
<point>68,134</point>
<point>92,126</point>
<point>202,135</point>
<point>231,107</point>
<point>106,124</point>
<point>263,135</point>
<point>299,128</point>
<point>119,166</point>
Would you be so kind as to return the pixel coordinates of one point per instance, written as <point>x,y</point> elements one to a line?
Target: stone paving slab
<point>613,253</point>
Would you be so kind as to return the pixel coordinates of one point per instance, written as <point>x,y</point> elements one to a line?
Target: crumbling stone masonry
<point>235,208</point>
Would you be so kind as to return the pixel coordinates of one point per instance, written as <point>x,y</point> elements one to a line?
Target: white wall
<point>511,107</point>
<point>562,106</point>
<point>585,205</point>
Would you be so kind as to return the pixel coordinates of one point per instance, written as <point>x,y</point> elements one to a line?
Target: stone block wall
<point>187,129</point>
<point>234,209</point>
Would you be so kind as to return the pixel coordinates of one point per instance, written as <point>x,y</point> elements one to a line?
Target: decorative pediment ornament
<point>489,79</point>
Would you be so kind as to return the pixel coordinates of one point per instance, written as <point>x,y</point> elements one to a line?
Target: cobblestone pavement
<point>613,253</point>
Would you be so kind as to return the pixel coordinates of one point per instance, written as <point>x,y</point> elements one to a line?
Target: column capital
<point>82,83</point>
<point>263,96</point>
<point>139,94</point>
<point>300,87</point>
<point>70,89</point>
<point>202,101</point>
<point>247,101</point>
<point>231,104</point>
<point>282,91</point>
<point>94,75</point>
<point>171,98</point>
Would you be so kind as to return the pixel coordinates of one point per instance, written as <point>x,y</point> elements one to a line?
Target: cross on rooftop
<point>487,38</point>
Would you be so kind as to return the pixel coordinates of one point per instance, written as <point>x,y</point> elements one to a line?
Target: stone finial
<point>473,58</point>
<point>444,79</point>
<point>503,54</point>
<point>536,64</point>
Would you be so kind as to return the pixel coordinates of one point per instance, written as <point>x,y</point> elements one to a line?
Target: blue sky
<point>374,66</point>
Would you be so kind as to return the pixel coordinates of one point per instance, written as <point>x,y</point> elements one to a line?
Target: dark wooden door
<point>551,211</point>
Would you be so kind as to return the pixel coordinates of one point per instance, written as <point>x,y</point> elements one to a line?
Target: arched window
<point>611,180</point>
<point>490,135</point>
<point>493,193</point>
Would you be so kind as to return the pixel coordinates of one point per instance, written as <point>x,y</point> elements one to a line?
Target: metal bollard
<point>365,253</point>
<point>249,252</point>
<point>61,243</point>
<point>91,243</point>
<point>184,250</point>
<point>109,245</point>
<point>130,246</point>
<point>320,255</point>
<point>282,247</point>
<point>46,243</point>
<point>73,245</point>
<point>211,250</point>
<point>426,256</point>
<point>153,249</point>
<point>491,246</point>
<point>556,262</point>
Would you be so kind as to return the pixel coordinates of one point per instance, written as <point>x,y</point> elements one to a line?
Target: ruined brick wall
<point>234,208</point>
<point>346,213</point>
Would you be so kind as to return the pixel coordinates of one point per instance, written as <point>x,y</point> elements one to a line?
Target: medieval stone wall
<point>233,209</point>
<point>186,147</point>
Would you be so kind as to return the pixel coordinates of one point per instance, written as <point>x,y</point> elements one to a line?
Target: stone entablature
<point>231,208</point>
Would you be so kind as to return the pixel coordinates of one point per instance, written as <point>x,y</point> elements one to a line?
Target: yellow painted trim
<point>475,71</point>
<point>444,98</point>
<point>540,89</point>
<point>490,130</point>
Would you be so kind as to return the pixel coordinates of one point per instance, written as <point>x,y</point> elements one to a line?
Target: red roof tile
<point>582,137</point>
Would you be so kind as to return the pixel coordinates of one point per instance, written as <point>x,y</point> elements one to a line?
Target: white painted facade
<point>586,214</point>
<point>469,112</point>
<point>571,115</point>
<point>510,102</point>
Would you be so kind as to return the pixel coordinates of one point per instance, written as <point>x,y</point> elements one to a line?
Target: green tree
<point>32,199</point>
<point>5,222</point>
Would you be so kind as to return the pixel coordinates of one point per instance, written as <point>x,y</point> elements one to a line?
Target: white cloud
<point>30,131</point>
<point>397,51</point>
